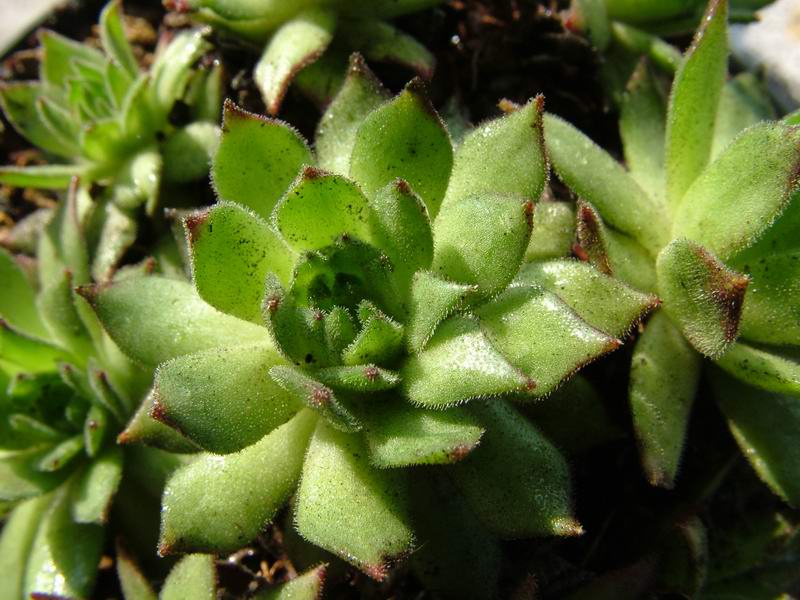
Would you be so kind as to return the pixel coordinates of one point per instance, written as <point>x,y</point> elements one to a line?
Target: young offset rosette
<point>358,312</point>
<point>98,116</point>
<point>309,41</point>
<point>706,215</point>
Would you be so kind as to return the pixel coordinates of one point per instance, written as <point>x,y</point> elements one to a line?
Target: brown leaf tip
<point>376,572</point>
<point>371,372</point>
<point>529,208</point>
<point>460,452</point>
<point>273,303</point>
<point>320,396</point>
<point>530,384</point>
<point>193,223</point>
<point>89,292</point>
<point>508,106</point>
<point>312,173</point>
<point>401,185</point>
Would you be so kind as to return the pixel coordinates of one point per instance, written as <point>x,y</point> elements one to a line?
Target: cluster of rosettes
<point>362,311</point>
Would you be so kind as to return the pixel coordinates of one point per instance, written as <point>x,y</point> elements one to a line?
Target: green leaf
<point>16,540</point>
<point>30,354</point>
<point>524,497</point>
<point>115,43</point>
<point>18,101</point>
<point>380,341</point>
<point>380,41</point>
<point>400,226</point>
<point>56,304</point>
<point>743,103</point>
<point>601,301</point>
<point>187,152</point>
<point>664,373</point>
<point>360,94</point>
<point>756,174</point>
<point>642,128</point>
<point>59,54</point>
<point>307,391</point>
<point>138,181</point>
<point>195,576</point>
<point>296,44</point>
<point>64,555</point>
<point>599,179</point>
<point>18,302</point>
<point>153,319</point>
<point>458,364</point>
<point>701,295</point>
<point>320,207</point>
<point>221,398</point>
<point>765,427</point>
<point>256,160</point>
<point>664,55</point>
<point>404,138</point>
<point>144,429</point>
<point>553,231</point>
<point>771,369</point>
<point>133,582</point>
<point>117,234</point>
<point>95,428</point>
<point>432,300</point>
<point>542,336</point>
<point>172,69</point>
<point>20,477</point>
<point>220,503</point>
<point>61,455</point>
<point>399,435</point>
<point>457,557</point>
<point>771,312</point>
<point>504,156</point>
<point>358,378</point>
<point>347,507</point>
<point>232,250</point>
<point>61,123</point>
<point>104,393</point>
<point>590,17</point>
<point>307,586</point>
<point>48,177</point>
<point>693,103</point>
<point>481,240</point>
<point>93,491</point>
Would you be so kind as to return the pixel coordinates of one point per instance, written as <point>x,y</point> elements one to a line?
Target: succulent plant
<point>705,216</point>
<point>310,40</point>
<point>358,315</point>
<point>103,119</point>
<point>66,390</point>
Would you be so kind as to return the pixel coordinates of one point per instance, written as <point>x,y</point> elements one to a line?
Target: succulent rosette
<point>66,391</point>
<point>358,315</point>
<point>310,41</point>
<point>101,118</point>
<point>706,217</point>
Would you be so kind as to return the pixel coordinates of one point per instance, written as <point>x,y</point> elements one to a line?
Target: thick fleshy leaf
<point>693,102</point>
<point>64,554</point>
<point>95,429</point>
<point>133,582</point>
<point>222,398</point>
<point>380,341</point>
<point>401,436</point>
<point>319,208</point>
<point>773,369</point>
<point>307,391</point>
<point>358,378</point>
<point>61,123</point>
<point>61,455</point>
<point>590,16</point>
<point>195,576</point>
<point>58,55</point>
<point>599,179</point>
<point>256,160</point>
<point>171,69</point>
<point>360,94</point>
<point>525,497</point>
<point>458,364</point>
<point>142,428</point>
<point>138,181</point>
<point>553,231</point>
<point>771,312</point>
<point>49,177</point>
<point>664,374</point>
<point>18,301</point>
<point>756,174</point>
<point>188,150</point>
<point>641,43</point>
<point>504,156</point>
<point>220,503</point>
<point>765,427</point>
<point>432,300</point>
<point>18,101</point>
<point>348,507</point>
<point>115,43</point>
<point>232,251</point>
<point>612,252</point>
<point>404,138</point>
<point>153,319</point>
<point>702,296</point>
<point>307,586</point>
<point>481,240</point>
<point>33,355</point>
<point>601,301</point>
<point>400,226</point>
<point>744,102</point>
<point>296,44</point>
<point>642,126</point>
<point>542,336</point>
<point>92,492</point>
<point>380,41</point>
<point>56,304</point>
<point>118,233</point>
<point>683,557</point>
<point>457,557</point>
<point>21,478</point>
<point>16,540</point>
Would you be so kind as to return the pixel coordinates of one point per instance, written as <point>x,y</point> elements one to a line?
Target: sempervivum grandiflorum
<point>707,217</point>
<point>102,118</point>
<point>357,313</point>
